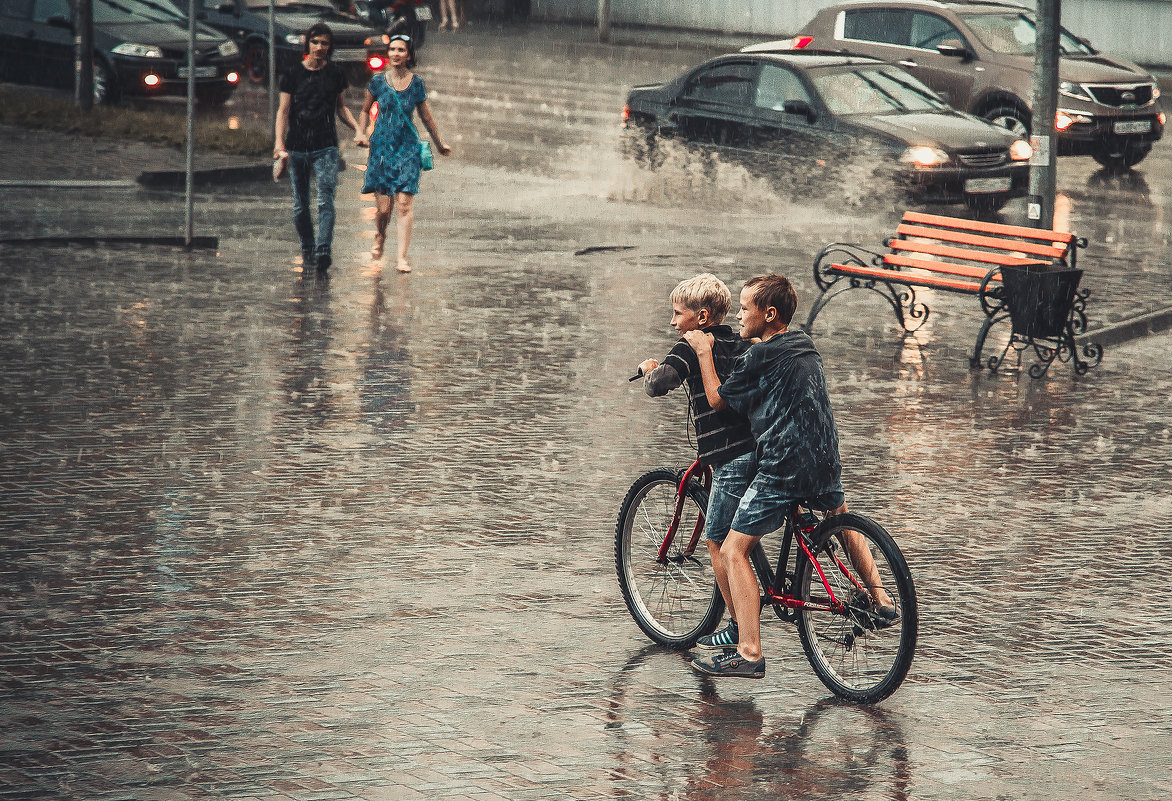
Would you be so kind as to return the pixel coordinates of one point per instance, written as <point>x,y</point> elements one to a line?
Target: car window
<point>117,11</point>
<point>730,84</point>
<point>45,10</point>
<point>885,25</point>
<point>880,90</point>
<point>929,30</point>
<point>17,9</point>
<point>777,85</point>
<point>1015,34</point>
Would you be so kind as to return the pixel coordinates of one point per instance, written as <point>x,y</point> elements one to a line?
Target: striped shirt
<point>720,436</point>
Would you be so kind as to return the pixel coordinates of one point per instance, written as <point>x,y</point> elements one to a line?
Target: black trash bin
<point>1039,297</point>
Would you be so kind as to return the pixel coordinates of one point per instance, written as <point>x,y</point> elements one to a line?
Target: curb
<point>1126,330</point>
<point>197,242</point>
<point>219,176</point>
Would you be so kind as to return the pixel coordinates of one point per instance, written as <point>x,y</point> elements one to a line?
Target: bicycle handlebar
<point>635,377</point>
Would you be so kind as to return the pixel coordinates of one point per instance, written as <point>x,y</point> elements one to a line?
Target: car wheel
<point>1122,155</point>
<point>1012,117</point>
<point>105,90</point>
<point>256,62</point>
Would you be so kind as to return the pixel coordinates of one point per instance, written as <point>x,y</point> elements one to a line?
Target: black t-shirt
<point>314,96</point>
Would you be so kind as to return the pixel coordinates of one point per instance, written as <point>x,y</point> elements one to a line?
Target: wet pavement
<point>266,536</point>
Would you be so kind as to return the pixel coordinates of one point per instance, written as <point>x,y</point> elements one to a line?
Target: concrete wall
<point>1140,30</point>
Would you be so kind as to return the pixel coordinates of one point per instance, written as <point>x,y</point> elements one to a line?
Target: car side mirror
<point>800,107</point>
<point>953,48</point>
<point>59,22</point>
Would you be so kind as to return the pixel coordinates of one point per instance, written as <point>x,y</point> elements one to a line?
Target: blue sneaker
<point>722,640</point>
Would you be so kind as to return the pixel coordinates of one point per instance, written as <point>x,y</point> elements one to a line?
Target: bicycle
<point>672,594</point>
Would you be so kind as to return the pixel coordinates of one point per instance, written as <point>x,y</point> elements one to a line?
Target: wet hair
<point>776,291</point>
<point>319,29</point>
<point>405,39</point>
<point>704,291</point>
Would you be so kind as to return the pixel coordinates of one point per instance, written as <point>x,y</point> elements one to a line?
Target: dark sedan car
<point>140,48</point>
<point>805,109</point>
<point>247,22</point>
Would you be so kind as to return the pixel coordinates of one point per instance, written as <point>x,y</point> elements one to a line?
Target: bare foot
<point>403,267</point>
<point>376,250</point>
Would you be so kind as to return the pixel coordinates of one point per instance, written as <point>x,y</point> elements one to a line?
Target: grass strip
<point>32,108</point>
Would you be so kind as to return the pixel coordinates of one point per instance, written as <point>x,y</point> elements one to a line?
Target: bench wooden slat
<point>915,279</point>
<point>967,270</point>
<point>979,240</point>
<point>986,257</point>
<point>1044,235</point>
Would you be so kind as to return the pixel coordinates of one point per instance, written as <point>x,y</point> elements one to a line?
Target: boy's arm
<point>660,379</point>
<point>702,344</point>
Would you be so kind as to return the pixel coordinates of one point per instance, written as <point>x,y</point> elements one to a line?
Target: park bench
<point>971,257</point>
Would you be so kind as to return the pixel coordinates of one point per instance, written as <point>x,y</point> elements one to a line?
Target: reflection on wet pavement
<point>270,536</point>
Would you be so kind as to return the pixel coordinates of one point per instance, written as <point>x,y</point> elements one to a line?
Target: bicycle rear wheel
<point>853,654</point>
<point>675,602</point>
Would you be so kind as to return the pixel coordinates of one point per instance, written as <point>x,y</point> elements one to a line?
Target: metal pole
<point>83,42</point>
<point>272,69</point>
<point>1044,163</point>
<point>604,20</point>
<point>188,216</point>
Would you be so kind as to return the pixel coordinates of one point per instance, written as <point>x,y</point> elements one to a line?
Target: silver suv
<point>980,57</point>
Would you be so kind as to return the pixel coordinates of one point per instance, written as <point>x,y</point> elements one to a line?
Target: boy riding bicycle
<point>780,386</point>
<point>723,438</point>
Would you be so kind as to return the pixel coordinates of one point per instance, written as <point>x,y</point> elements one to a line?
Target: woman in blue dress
<point>393,166</point>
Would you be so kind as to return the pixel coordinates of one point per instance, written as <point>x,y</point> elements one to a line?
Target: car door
<point>787,117</point>
<point>950,76</point>
<point>17,42</point>
<point>52,24</point>
<point>714,107</point>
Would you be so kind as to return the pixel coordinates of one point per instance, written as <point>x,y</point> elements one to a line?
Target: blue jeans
<point>324,165</point>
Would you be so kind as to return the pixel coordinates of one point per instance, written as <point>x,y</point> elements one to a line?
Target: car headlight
<point>1064,119</point>
<point>924,156</point>
<point>138,50</point>
<point>1020,150</point>
<point>295,38</point>
<point>228,48</point>
<point>1072,89</point>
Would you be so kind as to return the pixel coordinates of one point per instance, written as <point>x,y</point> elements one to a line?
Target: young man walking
<point>312,98</point>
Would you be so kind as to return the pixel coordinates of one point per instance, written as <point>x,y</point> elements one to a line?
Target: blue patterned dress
<point>393,163</point>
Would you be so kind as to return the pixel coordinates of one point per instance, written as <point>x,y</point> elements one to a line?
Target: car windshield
<point>117,11</point>
<point>875,90</point>
<point>1015,34</point>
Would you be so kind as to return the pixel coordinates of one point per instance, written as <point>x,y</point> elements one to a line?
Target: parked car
<point>409,17</point>
<point>811,111</point>
<point>247,22</point>
<point>980,57</point>
<point>140,48</point>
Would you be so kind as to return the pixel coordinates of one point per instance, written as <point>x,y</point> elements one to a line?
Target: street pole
<point>272,70</point>
<point>188,208</point>
<point>604,21</point>
<point>1043,163</point>
<point>83,42</point>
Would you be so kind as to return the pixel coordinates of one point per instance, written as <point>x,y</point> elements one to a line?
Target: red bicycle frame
<point>705,473</point>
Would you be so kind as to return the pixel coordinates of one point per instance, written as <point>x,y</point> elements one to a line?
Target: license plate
<point>349,54</point>
<point>1132,127</point>
<point>200,72</point>
<point>976,186</point>
<point>423,13</point>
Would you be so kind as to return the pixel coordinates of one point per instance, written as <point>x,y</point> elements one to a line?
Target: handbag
<point>426,161</point>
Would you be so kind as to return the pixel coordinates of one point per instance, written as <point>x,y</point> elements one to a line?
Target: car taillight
<point>626,113</point>
<point>801,42</point>
<point>150,79</point>
<point>232,77</point>
<point>376,62</point>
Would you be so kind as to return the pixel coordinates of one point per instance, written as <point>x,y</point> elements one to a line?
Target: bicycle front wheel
<point>676,601</point>
<point>859,655</point>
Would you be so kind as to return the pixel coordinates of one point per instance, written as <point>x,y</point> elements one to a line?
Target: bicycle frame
<point>705,474</point>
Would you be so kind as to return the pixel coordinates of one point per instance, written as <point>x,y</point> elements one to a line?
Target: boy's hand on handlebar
<point>647,366</point>
<point>699,341</point>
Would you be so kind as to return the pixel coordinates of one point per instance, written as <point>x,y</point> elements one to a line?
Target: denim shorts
<point>764,505</point>
<point>729,482</point>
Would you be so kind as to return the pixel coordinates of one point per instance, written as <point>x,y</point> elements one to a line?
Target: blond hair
<point>704,291</point>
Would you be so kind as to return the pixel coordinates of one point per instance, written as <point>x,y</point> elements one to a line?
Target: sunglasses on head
<point>402,37</point>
